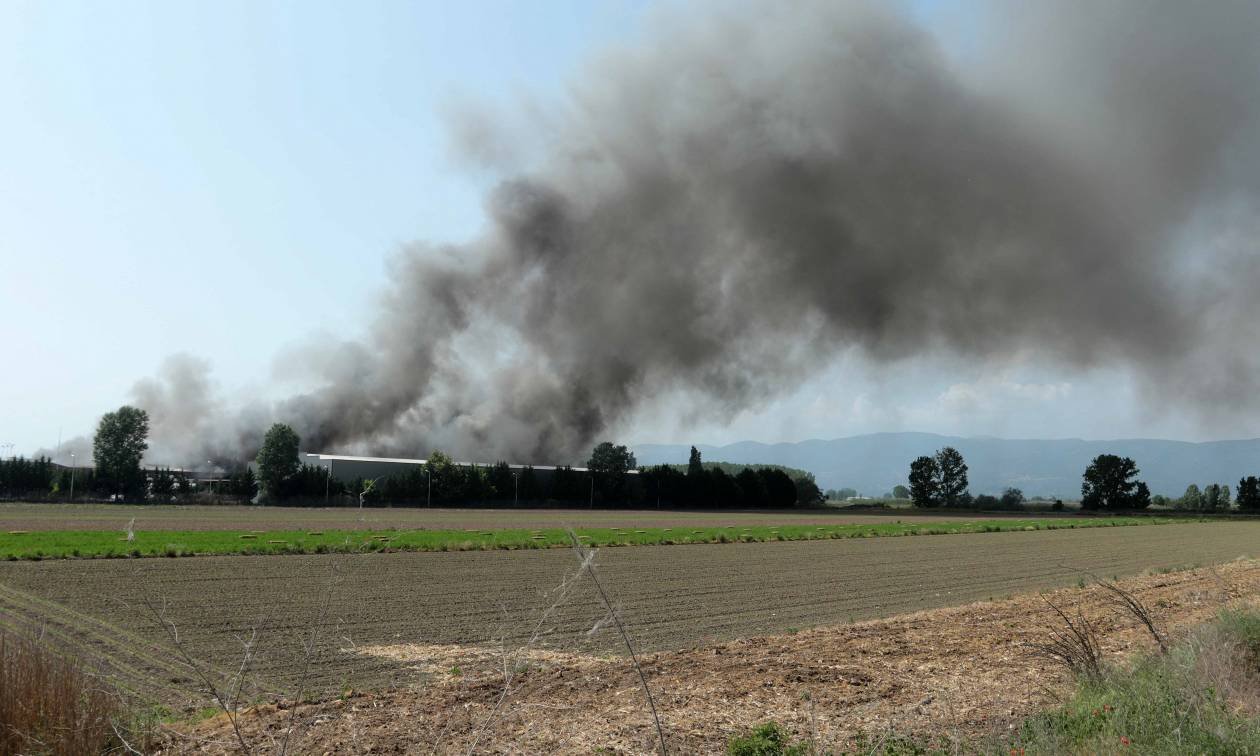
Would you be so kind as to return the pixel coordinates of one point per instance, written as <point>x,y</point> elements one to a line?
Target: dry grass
<point>49,705</point>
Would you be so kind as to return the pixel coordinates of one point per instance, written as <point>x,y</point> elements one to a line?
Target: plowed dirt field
<point>960,675</point>
<point>672,597</point>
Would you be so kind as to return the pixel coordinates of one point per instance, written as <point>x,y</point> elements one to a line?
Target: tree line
<point>1109,483</point>
<point>611,479</point>
<point>1216,497</point>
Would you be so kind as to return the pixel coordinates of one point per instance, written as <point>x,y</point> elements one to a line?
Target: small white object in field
<point>131,532</point>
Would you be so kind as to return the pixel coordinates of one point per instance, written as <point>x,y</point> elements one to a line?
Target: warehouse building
<point>348,468</point>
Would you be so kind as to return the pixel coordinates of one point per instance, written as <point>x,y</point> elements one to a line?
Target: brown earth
<point>672,597</point>
<point>38,516</point>
<point>956,673</point>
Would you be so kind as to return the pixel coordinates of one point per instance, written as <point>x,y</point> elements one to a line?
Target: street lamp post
<point>209,474</point>
<point>428,496</point>
<point>516,489</point>
<point>591,474</point>
<point>71,476</point>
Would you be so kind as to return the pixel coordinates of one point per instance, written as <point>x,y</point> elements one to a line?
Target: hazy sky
<point>228,179</point>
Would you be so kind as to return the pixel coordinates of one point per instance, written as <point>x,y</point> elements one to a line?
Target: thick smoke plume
<point>750,189</point>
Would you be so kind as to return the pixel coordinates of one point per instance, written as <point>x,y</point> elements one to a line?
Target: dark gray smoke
<point>753,188</point>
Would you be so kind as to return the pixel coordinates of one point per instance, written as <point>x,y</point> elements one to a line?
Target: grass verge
<point>1202,697</point>
<point>63,544</point>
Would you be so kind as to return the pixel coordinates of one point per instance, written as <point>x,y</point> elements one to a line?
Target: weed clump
<point>769,739</point>
<point>1199,697</point>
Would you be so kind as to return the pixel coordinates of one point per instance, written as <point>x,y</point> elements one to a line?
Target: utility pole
<point>592,476</point>
<point>71,476</point>
<point>428,496</point>
<point>516,489</point>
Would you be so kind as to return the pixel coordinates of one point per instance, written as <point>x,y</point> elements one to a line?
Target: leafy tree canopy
<point>694,465</point>
<point>953,477</point>
<point>1249,494</point>
<point>1012,498</point>
<point>807,492</point>
<point>1110,482</point>
<point>924,482</point>
<point>616,460</point>
<point>119,445</point>
<point>278,458</point>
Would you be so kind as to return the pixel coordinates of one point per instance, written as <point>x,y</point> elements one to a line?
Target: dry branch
<point>1075,645</point>
<point>587,558</point>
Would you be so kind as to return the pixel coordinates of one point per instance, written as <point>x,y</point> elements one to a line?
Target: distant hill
<point>874,463</point>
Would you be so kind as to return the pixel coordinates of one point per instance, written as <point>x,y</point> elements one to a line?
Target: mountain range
<point>876,462</point>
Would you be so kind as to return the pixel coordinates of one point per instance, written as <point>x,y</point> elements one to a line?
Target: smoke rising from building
<point>752,188</point>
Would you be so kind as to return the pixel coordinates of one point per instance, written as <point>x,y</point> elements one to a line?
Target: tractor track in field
<point>132,661</point>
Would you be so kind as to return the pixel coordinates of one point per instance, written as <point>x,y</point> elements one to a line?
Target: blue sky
<point>228,179</point>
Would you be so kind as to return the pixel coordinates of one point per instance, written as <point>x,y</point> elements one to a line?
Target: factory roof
<point>405,461</point>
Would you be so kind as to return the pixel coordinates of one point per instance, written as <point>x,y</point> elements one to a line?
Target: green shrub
<point>1170,704</point>
<point>1245,628</point>
<point>768,739</point>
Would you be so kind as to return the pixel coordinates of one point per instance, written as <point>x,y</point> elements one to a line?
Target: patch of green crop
<point>63,544</point>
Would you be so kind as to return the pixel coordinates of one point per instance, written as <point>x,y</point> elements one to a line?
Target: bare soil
<point>957,673</point>
<point>672,597</point>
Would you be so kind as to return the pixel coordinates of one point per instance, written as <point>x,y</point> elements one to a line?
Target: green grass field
<point>62,544</point>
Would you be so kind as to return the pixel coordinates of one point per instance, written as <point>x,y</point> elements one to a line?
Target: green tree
<point>695,467</point>
<point>1249,494</point>
<point>528,483</point>
<point>119,445</point>
<point>722,488</point>
<point>1211,497</point>
<point>610,463</point>
<point>162,484</point>
<point>1012,498</point>
<point>444,481</point>
<point>277,459</point>
<point>953,477</point>
<point>900,492</point>
<point>243,485</point>
<point>1110,483</point>
<point>925,482</point>
<point>1192,499</point>
<point>807,492</point>
<point>986,502</point>
<point>780,490</point>
<point>612,459</point>
<point>502,482</point>
<point>752,489</point>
